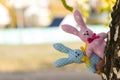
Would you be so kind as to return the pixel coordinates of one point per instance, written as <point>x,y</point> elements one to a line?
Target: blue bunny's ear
<point>62,62</point>
<point>60,47</point>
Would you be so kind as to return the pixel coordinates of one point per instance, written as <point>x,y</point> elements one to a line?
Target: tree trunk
<point>111,69</point>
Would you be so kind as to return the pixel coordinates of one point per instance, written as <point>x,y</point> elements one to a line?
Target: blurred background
<point>29,28</point>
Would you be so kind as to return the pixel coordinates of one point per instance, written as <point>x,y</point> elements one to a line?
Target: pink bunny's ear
<point>79,19</point>
<point>69,29</point>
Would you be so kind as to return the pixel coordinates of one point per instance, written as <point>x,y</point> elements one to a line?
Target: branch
<point>67,6</point>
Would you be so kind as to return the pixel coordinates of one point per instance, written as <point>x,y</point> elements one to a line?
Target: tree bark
<point>111,69</point>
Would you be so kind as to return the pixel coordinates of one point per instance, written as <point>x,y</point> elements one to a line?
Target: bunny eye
<point>76,52</point>
<point>83,33</point>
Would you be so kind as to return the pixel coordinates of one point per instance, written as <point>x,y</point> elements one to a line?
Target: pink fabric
<point>96,42</point>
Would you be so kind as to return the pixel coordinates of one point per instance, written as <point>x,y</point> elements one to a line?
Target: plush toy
<point>75,56</point>
<point>96,42</point>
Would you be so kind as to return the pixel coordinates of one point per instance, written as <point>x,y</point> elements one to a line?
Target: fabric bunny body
<point>97,46</point>
<point>94,59</point>
<point>96,42</point>
<point>75,56</point>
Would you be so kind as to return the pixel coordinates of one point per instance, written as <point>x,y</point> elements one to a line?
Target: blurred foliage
<point>86,6</point>
<point>11,11</point>
<point>106,5</point>
<point>81,5</point>
<point>100,6</point>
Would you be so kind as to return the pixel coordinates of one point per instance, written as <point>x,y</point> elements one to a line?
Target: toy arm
<point>60,47</point>
<point>89,52</point>
<point>104,35</point>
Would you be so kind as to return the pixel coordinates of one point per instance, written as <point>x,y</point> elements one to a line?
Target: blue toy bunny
<point>75,56</point>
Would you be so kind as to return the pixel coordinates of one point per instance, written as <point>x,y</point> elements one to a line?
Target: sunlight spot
<point>117,4</point>
<point>118,53</point>
<point>116,72</point>
<point>104,76</point>
<point>111,75</point>
<point>109,36</point>
<point>118,75</point>
<point>116,33</point>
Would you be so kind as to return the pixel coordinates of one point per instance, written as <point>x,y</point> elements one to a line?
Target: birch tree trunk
<point>111,69</point>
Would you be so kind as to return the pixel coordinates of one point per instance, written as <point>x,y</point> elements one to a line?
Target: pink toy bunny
<point>96,42</point>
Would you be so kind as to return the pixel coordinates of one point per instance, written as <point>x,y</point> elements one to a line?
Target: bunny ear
<point>69,29</point>
<point>62,62</point>
<point>60,47</point>
<point>79,19</point>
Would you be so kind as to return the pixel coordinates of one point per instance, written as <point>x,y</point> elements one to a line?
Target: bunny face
<point>84,34</point>
<point>76,55</point>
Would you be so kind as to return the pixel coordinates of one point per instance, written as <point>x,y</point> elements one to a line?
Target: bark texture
<point>111,69</point>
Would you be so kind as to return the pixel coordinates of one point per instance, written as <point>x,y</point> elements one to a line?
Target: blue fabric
<point>74,56</point>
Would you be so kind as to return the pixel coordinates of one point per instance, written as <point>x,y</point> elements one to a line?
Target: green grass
<point>32,57</point>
